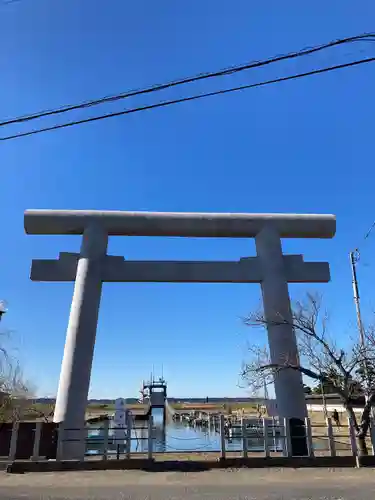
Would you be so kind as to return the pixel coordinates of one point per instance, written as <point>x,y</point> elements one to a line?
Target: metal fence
<point>42,440</point>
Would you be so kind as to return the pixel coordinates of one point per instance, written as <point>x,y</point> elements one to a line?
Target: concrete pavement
<point>287,484</point>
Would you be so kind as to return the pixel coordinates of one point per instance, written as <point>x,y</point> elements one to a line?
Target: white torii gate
<point>92,266</point>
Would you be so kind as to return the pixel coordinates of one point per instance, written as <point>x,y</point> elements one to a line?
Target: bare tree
<point>345,370</point>
<point>17,401</point>
<point>15,391</point>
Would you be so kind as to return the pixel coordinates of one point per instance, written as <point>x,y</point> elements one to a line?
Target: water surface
<point>179,437</point>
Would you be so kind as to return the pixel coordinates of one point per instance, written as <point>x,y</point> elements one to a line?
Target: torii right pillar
<point>290,397</point>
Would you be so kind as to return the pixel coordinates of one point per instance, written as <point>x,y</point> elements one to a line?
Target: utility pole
<point>354,257</point>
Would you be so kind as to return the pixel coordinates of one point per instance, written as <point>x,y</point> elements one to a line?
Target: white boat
<point>255,429</point>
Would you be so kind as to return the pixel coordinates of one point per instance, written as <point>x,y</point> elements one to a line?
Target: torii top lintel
<point>194,224</point>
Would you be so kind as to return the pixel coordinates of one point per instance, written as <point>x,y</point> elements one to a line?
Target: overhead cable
<point>190,98</point>
<point>202,76</point>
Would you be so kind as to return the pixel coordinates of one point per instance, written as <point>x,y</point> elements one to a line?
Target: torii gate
<point>92,266</point>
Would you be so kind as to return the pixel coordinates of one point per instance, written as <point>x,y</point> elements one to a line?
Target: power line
<point>369,231</point>
<point>365,237</point>
<point>201,76</point>
<point>191,98</point>
<point>356,252</point>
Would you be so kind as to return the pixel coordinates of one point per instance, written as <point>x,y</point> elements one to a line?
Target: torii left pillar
<point>76,366</point>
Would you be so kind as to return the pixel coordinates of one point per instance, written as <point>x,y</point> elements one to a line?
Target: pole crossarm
<point>117,269</point>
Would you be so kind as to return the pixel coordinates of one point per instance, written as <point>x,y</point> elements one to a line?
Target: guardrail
<point>40,440</point>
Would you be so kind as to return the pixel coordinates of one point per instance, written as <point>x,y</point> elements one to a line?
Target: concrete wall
<point>330,407</point>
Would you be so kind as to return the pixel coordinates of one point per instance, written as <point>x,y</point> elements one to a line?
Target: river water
<point>179,437</point>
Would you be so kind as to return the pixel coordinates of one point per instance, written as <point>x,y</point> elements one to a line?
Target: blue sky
<point>302,146</point>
